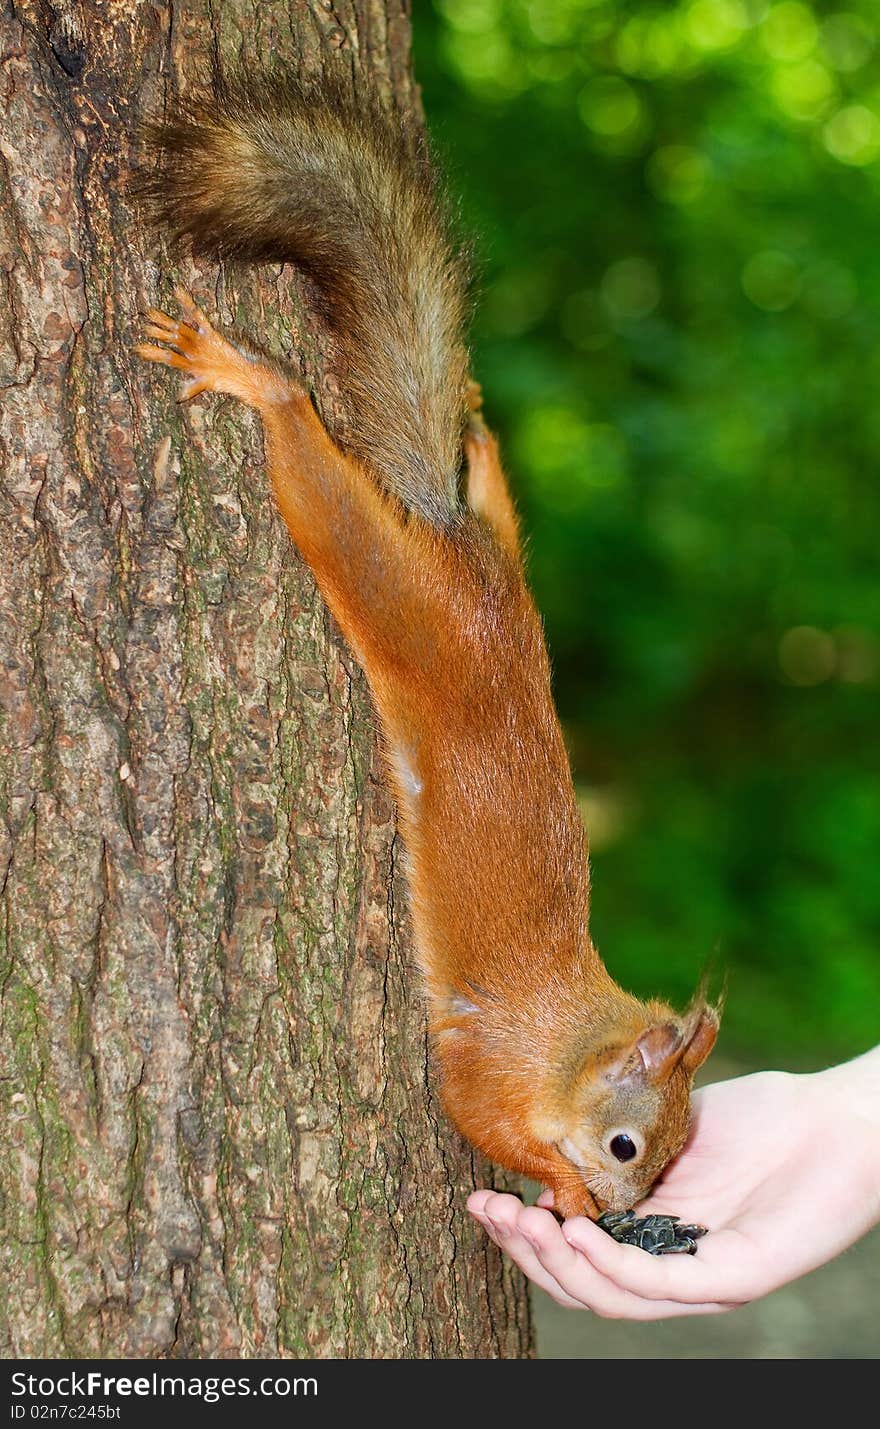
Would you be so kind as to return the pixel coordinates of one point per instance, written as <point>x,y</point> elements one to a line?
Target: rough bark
<point>219,1132</point>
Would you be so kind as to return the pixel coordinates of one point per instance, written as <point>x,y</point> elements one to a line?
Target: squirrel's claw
<point>193,313</point>
<point>193,388</point>
<point>163,334</point>
<point>166,355</point>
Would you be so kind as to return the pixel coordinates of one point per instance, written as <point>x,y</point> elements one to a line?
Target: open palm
<point>784,1171</point>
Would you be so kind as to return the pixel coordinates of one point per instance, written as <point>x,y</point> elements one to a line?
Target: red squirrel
<point>544,1062</point>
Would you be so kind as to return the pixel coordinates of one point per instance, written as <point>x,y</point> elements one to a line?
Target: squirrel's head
<point>628,1111</point>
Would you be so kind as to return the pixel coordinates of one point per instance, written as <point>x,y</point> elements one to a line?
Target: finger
<point>576,1283</point>
<point>556,1254</point>
<point>475,1204</point>
<point>500,1220</point>
<point>546,1199</point>
<point>718,1274</point>
<point>533,1238</point>
<point>575,1275</point>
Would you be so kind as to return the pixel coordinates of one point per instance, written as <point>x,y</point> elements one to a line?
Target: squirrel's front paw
<point>573,1199</point>
<point>189,344</point>
<point>211,363</point>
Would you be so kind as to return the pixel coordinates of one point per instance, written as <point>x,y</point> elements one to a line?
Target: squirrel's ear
<point>700,1031</point>
<point>651,1058</point>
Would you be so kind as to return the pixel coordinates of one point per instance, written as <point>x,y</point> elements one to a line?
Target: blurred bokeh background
<point>676,210</point>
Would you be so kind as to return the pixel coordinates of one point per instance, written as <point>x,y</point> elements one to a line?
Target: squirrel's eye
<point>623,1147</point>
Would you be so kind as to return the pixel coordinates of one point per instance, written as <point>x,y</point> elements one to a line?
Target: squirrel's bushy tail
<point>265,169</point>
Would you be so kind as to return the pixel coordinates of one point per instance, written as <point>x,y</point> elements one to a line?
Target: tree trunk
<point>219,1131</point>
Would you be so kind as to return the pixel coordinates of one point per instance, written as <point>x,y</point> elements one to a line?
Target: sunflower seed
<point>658,1235</point>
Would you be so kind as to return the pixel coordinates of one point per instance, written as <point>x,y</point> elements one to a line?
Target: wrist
<point>848,1097</point>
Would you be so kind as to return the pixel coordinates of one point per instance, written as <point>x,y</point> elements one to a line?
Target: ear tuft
<point>700,1032</point>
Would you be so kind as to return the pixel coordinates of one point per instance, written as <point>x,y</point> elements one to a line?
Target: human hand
<point>784,1171</point>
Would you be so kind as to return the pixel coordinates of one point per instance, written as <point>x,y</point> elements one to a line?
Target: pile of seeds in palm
<point>658,1235</point>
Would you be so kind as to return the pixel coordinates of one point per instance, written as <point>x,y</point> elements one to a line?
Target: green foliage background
<point>677,210</point>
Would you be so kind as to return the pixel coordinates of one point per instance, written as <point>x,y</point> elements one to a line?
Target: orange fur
<point>540,1054</point>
